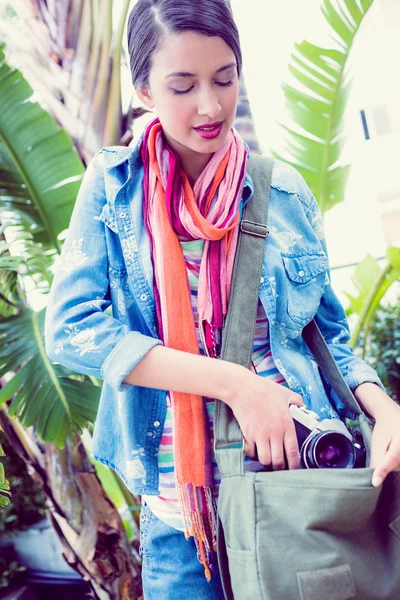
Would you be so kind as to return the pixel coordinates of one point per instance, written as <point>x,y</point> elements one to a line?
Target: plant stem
<point>364,314</point>
<point>129,498</point>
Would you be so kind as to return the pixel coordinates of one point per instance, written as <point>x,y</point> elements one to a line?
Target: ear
<point>144,96</point>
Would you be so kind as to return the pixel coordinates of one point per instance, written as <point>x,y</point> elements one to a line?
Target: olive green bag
<point>310,534</point>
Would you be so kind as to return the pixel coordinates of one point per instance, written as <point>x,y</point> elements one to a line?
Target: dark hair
<point>149,20</point>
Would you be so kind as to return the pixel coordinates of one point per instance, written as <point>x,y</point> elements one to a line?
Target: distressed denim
<point>170,569</point>
<point>100,318</point>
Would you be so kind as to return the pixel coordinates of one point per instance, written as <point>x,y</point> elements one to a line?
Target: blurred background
<point>320,90</point>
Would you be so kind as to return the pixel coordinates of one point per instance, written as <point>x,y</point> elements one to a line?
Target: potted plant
<point>31,552</point>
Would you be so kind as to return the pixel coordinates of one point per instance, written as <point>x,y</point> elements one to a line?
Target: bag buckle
<point>256,229</point>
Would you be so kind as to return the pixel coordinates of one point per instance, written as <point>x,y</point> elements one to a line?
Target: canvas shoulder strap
<point>238,338</point>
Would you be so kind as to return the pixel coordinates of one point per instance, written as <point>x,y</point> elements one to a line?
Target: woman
<point>153,236</point>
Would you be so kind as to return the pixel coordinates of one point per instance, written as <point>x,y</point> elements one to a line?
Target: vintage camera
<point>326,444</point>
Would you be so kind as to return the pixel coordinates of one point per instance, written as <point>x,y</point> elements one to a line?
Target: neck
<point>192,163</point>
<point>194,166</point>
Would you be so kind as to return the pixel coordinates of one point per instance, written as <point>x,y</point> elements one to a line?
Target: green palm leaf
<point>4,485</point>
<point>317,104</point>
<point>43,393</point>
<point>40,174</point>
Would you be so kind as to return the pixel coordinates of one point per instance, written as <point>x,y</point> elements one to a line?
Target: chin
<point>207,146</point>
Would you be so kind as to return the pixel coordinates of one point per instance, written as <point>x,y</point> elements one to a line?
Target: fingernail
<point>376,480</point>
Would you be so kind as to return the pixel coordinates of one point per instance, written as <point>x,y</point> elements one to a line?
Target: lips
<point>209,127</point>
<point>211,131</point>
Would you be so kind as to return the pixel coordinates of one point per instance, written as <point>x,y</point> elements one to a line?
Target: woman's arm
<point>78,332</point>
<point>167,369</point>
<point>259,404</point>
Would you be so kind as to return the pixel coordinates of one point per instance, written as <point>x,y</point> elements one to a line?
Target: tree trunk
<point>88,524</point>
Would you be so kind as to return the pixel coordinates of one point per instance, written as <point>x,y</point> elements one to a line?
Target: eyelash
<point>179,93</point>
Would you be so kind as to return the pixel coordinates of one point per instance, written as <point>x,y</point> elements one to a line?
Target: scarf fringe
<point>199,514</point>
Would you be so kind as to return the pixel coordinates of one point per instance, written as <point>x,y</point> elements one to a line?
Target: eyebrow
<point>186,74</point>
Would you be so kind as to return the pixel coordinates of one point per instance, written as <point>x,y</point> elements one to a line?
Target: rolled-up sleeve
<point>78,333</point>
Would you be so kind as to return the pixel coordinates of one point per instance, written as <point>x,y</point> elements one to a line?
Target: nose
<point>208,103</point>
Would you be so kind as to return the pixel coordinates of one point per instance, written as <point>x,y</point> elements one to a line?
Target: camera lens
<point>328,450</point>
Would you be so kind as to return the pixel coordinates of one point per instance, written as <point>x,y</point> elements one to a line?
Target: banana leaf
<point>45,394</point>
<point>314,140</point>
<point>40,174</point>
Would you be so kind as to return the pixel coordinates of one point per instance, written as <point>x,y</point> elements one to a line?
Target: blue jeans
<point>170,569</point>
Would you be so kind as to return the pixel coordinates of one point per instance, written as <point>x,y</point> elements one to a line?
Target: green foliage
<point>10,570</point>
<point>28,504</point>
<point>38,167</point>
<point>44,394</point>
<point>317,104</point>
<point>40,175</point>
<point>4,484</point>
<point>382,347</point>
<point>372,282</point>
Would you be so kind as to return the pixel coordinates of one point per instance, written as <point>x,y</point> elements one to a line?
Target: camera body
<point>327,443</point>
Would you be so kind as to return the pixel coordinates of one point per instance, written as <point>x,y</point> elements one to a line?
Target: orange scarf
<point>210,211</point>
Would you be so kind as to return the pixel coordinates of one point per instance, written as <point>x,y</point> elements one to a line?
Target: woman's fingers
<point>250,450</point>
<point>296,399</point>
<point>277,454</point>
<point>389,462</point>
<point>291,448</point>
<point>264,455</point>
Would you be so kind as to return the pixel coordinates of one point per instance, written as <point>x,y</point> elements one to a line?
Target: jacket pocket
<point>306,277</point>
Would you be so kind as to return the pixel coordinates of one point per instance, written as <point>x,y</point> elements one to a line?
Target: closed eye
<point>220,83</point>
<point>225,84</point>
<point>179,92</point>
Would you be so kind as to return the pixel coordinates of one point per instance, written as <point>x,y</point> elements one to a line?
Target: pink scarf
<point>210,211</point>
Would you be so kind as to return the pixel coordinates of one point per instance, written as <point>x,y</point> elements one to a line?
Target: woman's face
<point>193,84</point>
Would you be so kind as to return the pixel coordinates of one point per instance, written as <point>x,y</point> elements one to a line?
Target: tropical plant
<point>314,140</point>
<point>372,282</point>
<point>40,175</point>
<point>28,503</point>
<point>4,484</point>
<point>315,137</point>
<point>70,52</point>
<point>10,570</point>
<point>381,348</point>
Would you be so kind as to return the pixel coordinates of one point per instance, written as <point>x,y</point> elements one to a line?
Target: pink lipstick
<point>210,132</point>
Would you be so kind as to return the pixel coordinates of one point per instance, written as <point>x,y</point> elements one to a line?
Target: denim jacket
<point>100,318</point>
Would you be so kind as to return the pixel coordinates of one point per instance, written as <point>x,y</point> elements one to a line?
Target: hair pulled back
<point>150,20</point>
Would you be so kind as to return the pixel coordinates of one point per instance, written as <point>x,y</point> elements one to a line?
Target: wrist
<point>372,399</point>
<point>235,379</point>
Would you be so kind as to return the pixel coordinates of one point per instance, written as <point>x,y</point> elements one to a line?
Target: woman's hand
<point>262,410</point>
<point>385,449</point>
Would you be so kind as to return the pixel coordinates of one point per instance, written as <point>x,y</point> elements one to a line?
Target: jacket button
<point>157,423</point>
<point>122,215</point>
<point>262,280</point>
<point>143,297</point>
<point>301,273</point>
<point>129,254</point>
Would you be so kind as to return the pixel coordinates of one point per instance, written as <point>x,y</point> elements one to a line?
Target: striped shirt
<point>166,506</point>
